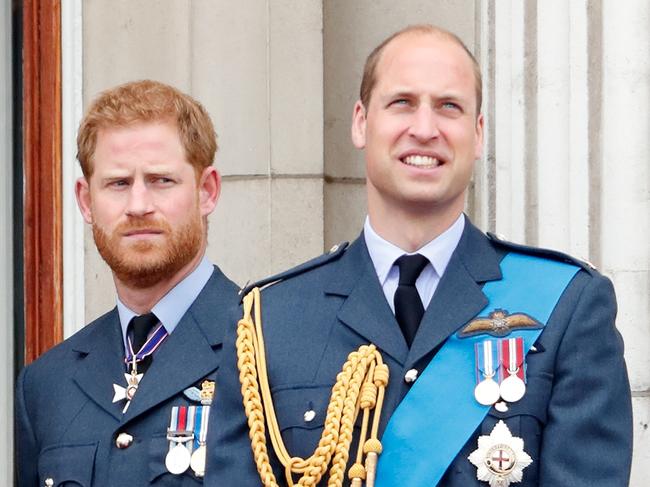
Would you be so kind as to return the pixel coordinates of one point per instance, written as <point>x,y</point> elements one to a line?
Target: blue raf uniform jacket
<point>66,424</point>
<point>575,419</point>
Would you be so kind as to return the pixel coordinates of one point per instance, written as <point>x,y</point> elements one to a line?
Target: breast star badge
<point>500,457</point>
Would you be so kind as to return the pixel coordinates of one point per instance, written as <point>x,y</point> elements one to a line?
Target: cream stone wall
<point>258,69</point>
<point>351,30</point>
<point>567,156</point>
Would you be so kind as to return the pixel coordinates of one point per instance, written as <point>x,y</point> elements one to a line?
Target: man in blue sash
<point>125,401</point>
<point>505,364</point>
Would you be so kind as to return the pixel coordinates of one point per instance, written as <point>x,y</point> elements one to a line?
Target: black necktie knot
<point>140,327</point>
<point>410,268</point>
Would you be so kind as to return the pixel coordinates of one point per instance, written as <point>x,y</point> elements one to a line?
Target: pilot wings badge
<point>500,457</point>
<point>499,323</point>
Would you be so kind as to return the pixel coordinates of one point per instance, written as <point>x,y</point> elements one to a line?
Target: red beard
<point>141,264</point>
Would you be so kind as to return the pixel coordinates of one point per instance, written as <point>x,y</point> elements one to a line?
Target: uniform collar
<point>173,305</point>
<point>439,250</point>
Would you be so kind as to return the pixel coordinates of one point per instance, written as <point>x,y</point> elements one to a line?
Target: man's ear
<point>209,190</point>
<point>82,192</point>
<point>358,129</point>
<point>478,148</point>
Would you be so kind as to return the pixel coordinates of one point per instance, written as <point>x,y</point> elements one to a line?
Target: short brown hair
<point>148,101</point>
<point>370,68</point>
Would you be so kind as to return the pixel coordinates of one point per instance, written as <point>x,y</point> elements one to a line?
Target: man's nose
<point>140,200</point>
<point>424,125</point>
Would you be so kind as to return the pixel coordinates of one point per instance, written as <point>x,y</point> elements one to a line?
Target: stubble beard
<point>144,263</point>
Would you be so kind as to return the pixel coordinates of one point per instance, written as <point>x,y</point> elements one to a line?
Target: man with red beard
<point>126,400</point>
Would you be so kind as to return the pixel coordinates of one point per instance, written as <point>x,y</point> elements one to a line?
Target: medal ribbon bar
<point>486,358</point>
<point>150,346</point>
<point>511,354</point>
<point>201,425</point>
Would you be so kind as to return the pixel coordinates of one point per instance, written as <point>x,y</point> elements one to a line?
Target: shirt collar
<point>173,305</point>
<point>439,250</point>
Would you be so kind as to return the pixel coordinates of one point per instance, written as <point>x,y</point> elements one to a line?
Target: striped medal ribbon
<point>180,435</point>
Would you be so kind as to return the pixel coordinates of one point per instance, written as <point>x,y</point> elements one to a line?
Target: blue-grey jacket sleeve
<point>230,460</point>
<point>26,449</point>
<point>588,438</point>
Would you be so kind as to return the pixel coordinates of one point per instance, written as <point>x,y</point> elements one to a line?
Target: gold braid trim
<point>359,386</point>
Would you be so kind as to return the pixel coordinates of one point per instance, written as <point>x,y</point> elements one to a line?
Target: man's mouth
<point>421,161</point>
<point>142,232</point>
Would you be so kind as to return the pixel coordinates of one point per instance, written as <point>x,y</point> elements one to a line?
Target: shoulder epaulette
<point>332,254</point>
<point>549,253</point>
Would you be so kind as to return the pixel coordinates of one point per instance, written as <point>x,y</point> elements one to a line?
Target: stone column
<point>623,186</point>
<point>568,156</point>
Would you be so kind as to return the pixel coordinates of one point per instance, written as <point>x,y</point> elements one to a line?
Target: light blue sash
<point>439,414</point>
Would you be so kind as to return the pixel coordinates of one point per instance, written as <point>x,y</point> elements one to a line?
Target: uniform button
<point>309,415</point>
<point>334,249</point>
<point>123,440</point>
<point>49,482</point>
<point>501,406</point>
<point>410,376</point>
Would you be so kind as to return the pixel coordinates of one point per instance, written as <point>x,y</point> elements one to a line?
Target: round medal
<point>501,459</point>
<point>487,392</point>
<point>177,460</point>
<point>198,461</point>
<point>130,391</point>
<point>512,388</point>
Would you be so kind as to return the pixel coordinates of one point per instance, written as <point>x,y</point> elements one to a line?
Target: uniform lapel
<point>188,354</point>
<point>102,363</point>
<point>459,296</point>
<point>365,309</point>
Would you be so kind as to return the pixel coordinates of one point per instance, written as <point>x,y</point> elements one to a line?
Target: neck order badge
<point>530,285</point>
<point>139,349</point>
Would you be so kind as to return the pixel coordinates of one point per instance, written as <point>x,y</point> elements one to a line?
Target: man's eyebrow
<point>402,92</point>
<point>454,96</point>
<point>115,175</point>
<point>407,93</point>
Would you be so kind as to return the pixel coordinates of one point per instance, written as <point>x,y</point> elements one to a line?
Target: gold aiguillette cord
<point>359,386</point>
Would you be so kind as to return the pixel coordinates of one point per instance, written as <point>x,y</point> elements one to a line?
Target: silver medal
<point>487,392</point>
<point>198,461</point>
<point>177,460</point>
<point>512,388</point>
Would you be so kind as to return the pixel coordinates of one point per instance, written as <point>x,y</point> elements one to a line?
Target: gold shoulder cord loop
<point>360,386</point>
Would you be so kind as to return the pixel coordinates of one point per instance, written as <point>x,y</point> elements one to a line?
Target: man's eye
<point>450,105</point>
<point>120,183</point>
<point>400,101</point>
<point>163,180</point>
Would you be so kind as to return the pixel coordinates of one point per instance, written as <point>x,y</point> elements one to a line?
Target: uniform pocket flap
<point>158,449</point>
<point>67,465</point>
<point>535,401</point>
<point>301,407</point>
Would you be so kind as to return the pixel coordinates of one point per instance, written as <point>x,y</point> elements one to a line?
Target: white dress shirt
<point>438,252</point>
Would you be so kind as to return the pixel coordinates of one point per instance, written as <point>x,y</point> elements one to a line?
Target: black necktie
<point>408,305</point>
<point>138,329</point>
